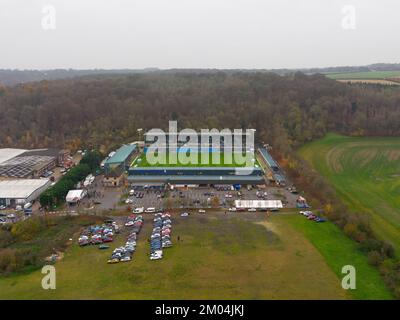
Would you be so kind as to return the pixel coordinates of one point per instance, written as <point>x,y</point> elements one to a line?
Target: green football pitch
<point>197,159</point>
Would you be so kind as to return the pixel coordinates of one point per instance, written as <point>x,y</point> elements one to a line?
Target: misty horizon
<point>190,34</point>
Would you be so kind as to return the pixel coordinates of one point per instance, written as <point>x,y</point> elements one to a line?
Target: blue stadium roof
<point>121,154</point>
<point>279,178</point>
<point>206,179</point>
<point>268,158</point>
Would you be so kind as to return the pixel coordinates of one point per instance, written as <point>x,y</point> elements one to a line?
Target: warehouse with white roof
<point>19,192</point>
<point>9,153</point>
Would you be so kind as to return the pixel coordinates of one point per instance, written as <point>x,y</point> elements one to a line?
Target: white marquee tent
<point>259,204</point>
<point>74,196</point>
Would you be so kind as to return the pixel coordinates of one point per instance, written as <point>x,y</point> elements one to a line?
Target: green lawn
<point>338,251</point>
<point>239,256</point>
<point>141,161</point>
<point>364,75</point>
<point>366,174</point>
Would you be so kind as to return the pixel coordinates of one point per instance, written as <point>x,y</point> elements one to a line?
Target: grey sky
<point>197,33</point>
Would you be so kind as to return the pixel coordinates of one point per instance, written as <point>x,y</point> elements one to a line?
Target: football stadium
<point>195,164</point>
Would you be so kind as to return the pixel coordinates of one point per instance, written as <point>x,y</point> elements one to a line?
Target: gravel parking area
<point>192,197</point>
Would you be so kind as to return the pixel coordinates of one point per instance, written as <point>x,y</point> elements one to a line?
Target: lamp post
<point>140,133</point>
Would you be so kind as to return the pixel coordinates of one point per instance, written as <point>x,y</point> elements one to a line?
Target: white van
<point>27,205</point>
<point>150,210</point>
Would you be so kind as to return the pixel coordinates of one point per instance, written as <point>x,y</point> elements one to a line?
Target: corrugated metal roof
<point>268,158</point>
<point>121,154</point>
<point>279,177</point>
<point>189,168</point>
<point>9,153</point>
<point>20,189</point>
<point>232,179</point>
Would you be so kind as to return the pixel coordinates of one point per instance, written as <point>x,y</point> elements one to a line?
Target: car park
<point>311,216</point>
<point>98,234</point>
<point>125,253</point>
<point>160,237</point>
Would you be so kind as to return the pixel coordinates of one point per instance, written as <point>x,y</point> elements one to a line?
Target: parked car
<point>233,209</point>
<point>252,210</point>
<point>126,257</point>
<point>138,210</point>
<point>156,255</point>
<point>83,240</point>
<point>202,211</point>
<point>129,223</point>
<point>184,214</point>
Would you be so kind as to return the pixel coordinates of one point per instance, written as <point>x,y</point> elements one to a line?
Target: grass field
<point>141,161</point>
<point>366,174</point>
<point>338,251</point>
<point>364,75</point>
<point>220,256</point>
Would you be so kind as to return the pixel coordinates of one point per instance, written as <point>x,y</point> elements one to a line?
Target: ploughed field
<point>230,256</point>
<point>366,174</point>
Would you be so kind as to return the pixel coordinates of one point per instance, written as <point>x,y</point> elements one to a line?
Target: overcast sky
<point>197,33</point>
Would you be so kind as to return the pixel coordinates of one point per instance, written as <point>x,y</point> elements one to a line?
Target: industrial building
<point>19,192</point>
<point>117,164</point>
<point>19,163</point>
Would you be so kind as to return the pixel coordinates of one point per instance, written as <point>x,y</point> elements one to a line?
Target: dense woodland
<point>106,110</point>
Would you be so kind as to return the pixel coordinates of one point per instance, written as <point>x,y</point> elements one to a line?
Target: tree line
<point>56,194</point>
